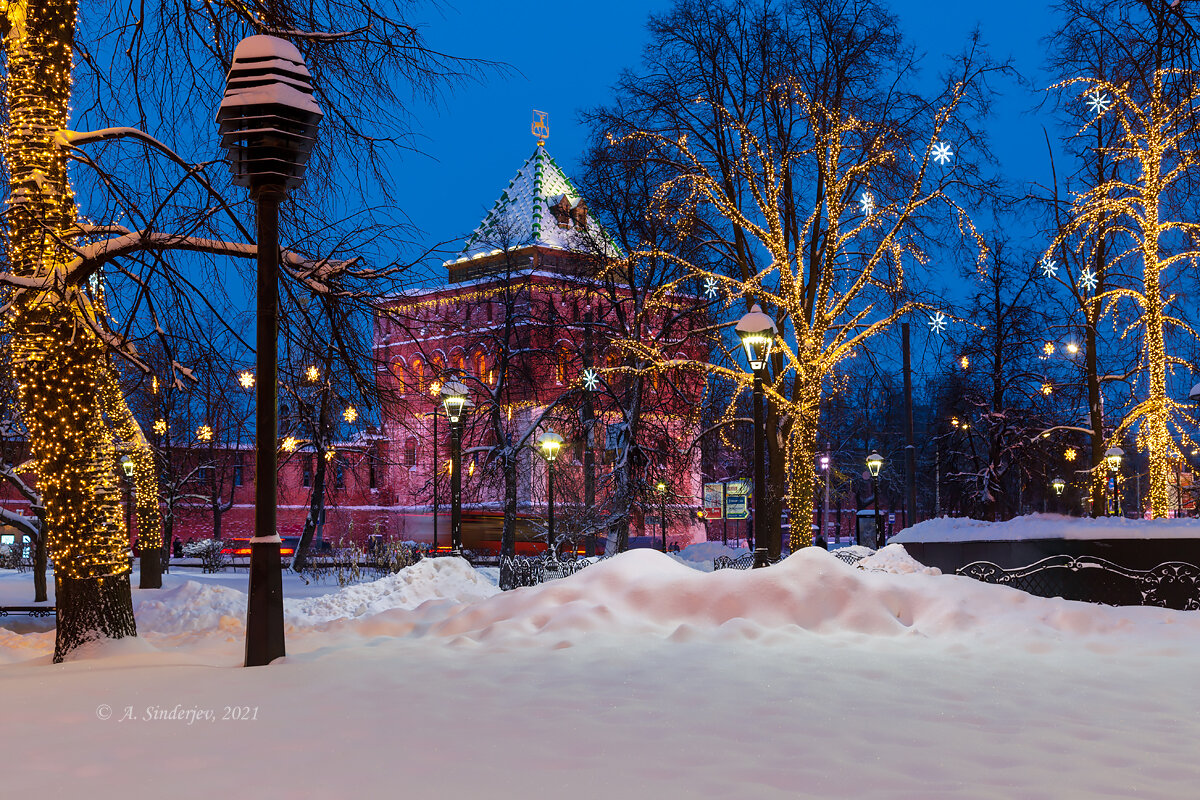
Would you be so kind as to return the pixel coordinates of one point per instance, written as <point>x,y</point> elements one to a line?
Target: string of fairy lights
<point>59,363</point>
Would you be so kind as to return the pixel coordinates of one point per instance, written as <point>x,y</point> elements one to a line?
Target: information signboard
<point>713,495</point>
<point>737,506</point>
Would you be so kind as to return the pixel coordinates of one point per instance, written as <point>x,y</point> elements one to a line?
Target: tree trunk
<point>316,507</point>
<point>58,360</point>
<point>101,608</point>
<point>508,537</point>
<point>39,566</point>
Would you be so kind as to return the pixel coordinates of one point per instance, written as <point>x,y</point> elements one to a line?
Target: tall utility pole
<point>910,448</point>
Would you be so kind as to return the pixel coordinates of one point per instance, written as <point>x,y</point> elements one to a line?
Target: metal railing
<point>1172,584</point>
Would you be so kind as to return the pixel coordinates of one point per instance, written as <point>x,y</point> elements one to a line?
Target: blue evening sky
<point>566,56</point>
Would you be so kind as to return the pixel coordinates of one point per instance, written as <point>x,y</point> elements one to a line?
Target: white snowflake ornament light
<point>591,380</point>
<point>937,322</point>
<point>942,153</point>
<point>1097,101</point>
<point>711,287</point>
<point>1089,280</point>
<point>866,201</point>
<point>1049,266</point>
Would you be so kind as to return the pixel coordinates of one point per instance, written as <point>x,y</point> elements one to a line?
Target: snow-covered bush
<point>209,553</point>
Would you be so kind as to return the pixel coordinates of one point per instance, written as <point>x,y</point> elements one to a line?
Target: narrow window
<point>308,471</point>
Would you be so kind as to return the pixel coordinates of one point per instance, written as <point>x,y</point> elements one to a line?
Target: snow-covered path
<point>635,678</point>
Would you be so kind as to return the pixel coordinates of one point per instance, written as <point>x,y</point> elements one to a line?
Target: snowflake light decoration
<point>1048,348</point>
<point>1089,280</point>
<point>1049,266</point>
<point>591,380</point>
<point>937,322</point>
<point>866,201</point>
<point>290,444</point>
<point>1097,101</point>
<point>942,153</point>
<point>330,454</point>
<point>204,434</point>
<point>1069,454</point>
<point>350,414</point>
<point>711,287</point>
<point>964,362</point>
<point>1047,389</point>
<point>160,426</point>
<point>246,379</point>
<point>312,373</point>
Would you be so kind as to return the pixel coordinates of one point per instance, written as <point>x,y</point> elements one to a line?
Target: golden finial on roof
<point>541,126</point>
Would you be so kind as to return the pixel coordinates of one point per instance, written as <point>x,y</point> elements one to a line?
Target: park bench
<point>29,611</point>
<point>741,562</point>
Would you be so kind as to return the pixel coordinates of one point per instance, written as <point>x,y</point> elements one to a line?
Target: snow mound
<point>1047,526</point>
<point>895,559</point>
<point>646,594</point>
<point>708,551</point>
<point>190,608</point>
<point>428,579</point>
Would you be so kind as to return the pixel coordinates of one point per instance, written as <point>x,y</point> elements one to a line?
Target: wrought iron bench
<point>741,562</point>
<point>29,611</point>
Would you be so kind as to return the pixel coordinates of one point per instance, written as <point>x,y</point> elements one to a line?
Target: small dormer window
<point>562,212</point>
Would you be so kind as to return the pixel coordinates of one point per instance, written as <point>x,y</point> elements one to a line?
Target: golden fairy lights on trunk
<point>1152,152</point>
<point>58,362</point>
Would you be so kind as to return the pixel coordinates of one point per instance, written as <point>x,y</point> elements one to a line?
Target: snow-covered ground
<point>638,677</point>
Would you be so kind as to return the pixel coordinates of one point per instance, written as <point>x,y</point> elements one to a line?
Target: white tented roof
<point>524,214</point>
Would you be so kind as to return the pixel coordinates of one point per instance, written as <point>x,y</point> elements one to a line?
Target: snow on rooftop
<point>523,217</point>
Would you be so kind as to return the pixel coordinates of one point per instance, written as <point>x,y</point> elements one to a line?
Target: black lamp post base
<point>761,557</point>
<point>264,610</point>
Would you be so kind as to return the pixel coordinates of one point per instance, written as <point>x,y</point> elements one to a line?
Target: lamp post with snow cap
<point>457,403</point>
<point>757,332</point>
<point>550,443</point>
<point>268,123</point>
<point>874,464</point>
<point>1058,484</point>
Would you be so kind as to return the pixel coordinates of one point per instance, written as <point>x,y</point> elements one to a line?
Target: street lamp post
<point>457,404</point>
<point>1059,485</point>
<point>1112,457</point>
<point>757,332</point>
<point>550,444</point>
<point>127,469</point>
<point>826,465</point>
<point>268,122</point>
<point>661,488</point>
<point>874,464</point>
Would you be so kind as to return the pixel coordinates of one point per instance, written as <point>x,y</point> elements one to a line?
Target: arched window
<point>437,366</point>
<point>561,371</point>
<point>459,362</point>
<point>410,452</point>
<point>418,374</point>
<point>480,365</point>
<point>398,373</point>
